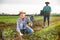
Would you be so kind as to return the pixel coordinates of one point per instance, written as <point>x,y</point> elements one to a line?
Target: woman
<point>22,24</point>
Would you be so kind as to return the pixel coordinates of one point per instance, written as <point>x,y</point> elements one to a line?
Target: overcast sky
<point>28,6</point>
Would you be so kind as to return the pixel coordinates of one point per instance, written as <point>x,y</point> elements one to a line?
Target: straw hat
<point>21,13</point>
<point>47,2</point>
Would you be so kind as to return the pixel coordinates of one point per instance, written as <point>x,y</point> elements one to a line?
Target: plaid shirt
<point>22,22</point>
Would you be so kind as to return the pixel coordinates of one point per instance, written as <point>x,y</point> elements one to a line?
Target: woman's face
<point>22,15</point>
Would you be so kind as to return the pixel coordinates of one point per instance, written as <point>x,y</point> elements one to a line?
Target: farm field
<point>13,19</point>
<point>47,33</point>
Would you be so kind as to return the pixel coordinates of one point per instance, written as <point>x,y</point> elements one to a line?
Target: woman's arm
<point>18,28</point>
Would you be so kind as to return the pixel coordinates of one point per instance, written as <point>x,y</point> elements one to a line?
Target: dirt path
<point>52,22</point>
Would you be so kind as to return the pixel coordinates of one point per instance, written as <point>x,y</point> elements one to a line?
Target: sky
<point>28,6</point>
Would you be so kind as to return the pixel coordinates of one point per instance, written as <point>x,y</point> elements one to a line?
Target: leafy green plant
<point>9,33</point>
<point>50,33</point>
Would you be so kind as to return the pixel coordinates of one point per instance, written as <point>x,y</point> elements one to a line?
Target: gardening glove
<point>21,34</point>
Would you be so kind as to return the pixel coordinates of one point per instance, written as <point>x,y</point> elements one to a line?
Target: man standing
<point>47,10</point>
<point>22,24</point>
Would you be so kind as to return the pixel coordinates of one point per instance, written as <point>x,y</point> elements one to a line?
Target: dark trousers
<point>48,19</point>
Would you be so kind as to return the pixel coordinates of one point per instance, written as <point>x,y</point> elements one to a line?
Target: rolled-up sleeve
<point>30,22</point>
<point>18,29</point>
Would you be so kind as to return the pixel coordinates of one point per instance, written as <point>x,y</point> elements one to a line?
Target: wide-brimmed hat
<point>21,13</point>
<point>47,2</point>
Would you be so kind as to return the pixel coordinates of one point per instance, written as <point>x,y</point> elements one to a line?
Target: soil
<point>35,28</point>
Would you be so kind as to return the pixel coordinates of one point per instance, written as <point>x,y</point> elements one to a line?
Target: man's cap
<point>47,2</point>
<point>21,13</point>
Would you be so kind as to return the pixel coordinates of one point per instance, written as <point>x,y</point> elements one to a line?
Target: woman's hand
<point>21,34</point>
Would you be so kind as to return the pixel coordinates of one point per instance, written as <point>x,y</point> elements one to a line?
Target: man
<point>22,24</point>
<point>32,19</point>
<point>46,10</point>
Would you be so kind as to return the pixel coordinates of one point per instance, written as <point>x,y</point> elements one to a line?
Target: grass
<point>9,19</point>
<point>49,33</point>
<point>38,17</point>
<point>13,19</point>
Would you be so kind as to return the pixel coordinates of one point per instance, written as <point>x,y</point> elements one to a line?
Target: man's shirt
<point>47,8</point>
